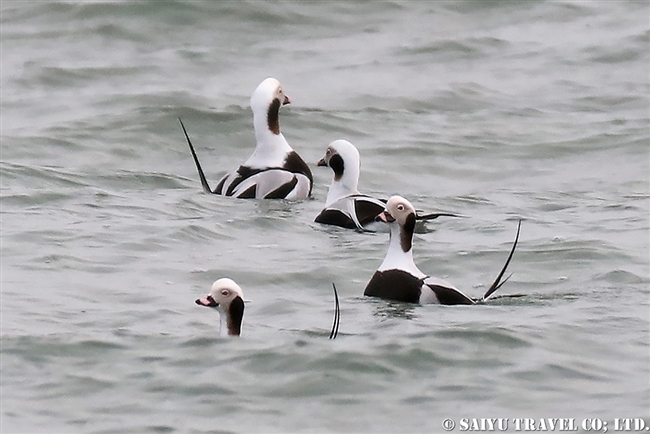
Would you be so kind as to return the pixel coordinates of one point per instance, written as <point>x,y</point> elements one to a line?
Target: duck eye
<point>400,207</point>
<point>224,292</point>
<point>280,90</point>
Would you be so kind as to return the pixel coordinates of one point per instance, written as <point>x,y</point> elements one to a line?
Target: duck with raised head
<point>274,170</point>
<point>345,206</point>
<point>399,279</point>
<point>228,299</point>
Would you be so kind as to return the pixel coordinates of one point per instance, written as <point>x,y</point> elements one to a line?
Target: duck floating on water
<point>345,206</point>
<point>274,170</point>
<point>399,279</point>
<point>228,298</point>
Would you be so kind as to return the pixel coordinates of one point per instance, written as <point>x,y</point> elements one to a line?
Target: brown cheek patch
<point>406,235</point>
<point>236,316</point>
<point>272,118</point>
<point>337,165</point>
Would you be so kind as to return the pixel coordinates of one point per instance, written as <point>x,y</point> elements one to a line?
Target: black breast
<point>397,285</point>
<point>295,164</point>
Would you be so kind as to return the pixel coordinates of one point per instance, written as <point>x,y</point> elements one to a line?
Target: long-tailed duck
<point>345,206</point>
<point>399,279</point>
<point>228,298</point>
<point>274,170</point>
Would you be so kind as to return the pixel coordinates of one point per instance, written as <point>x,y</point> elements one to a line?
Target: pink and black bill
<point>234,313</point>
<point>207,301</point>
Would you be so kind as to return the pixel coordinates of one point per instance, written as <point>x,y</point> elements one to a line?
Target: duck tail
<point>337,314</point>
<point>204,181</point>
<point>498,282</point>
<point>435,215</point>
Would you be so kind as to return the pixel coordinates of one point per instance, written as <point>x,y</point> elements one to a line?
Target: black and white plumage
<point>227,297</point>
<point>345,206</point>
<point>399,279</point>
<point>274,170</point>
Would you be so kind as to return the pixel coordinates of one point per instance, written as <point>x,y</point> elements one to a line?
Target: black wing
<point>335,217</point>
<point>449,296</point>
<point>367,209</point>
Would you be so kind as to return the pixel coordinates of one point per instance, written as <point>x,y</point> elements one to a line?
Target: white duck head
<point>271,147</point>
<point>401,217</point>
<point>344,160</point>
<point>228,298</point>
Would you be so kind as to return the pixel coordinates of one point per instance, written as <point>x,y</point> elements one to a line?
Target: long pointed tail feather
<point>204,181</point>
<point>337,314</point>
<point>498,282</point>
<point>435,215</point>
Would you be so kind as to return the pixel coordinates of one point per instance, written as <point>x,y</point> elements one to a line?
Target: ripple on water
<point>466,106</point>
<point>622,276</point>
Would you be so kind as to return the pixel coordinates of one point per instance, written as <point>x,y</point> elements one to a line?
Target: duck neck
<point>223,329</point>
<point>400,249</point>
<point>344,182</point>
<point>271,149</point>
<point>232,317</point>
<point>341,188</point>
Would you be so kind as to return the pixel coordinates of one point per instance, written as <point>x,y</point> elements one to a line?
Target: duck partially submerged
<point>228,299</point>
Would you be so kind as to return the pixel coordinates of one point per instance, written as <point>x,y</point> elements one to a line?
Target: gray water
<point>496,110</point>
